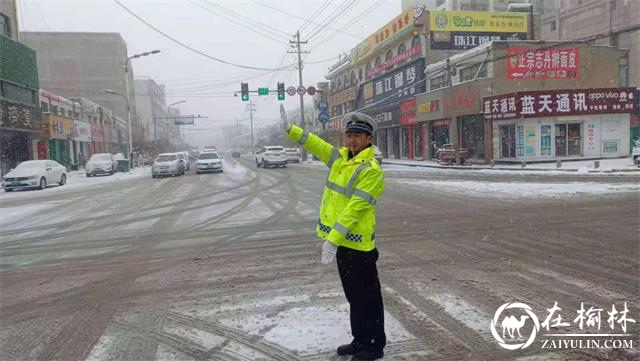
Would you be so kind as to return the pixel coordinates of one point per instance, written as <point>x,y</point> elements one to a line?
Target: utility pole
<point>251,109</point>
<point>453,123</point>
<point>297,43</point>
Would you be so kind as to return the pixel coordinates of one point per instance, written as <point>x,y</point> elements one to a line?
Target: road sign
<point>291,90</point>
<point>323,117</point>
<point>263,91</point>
<point>311,90</point>
<point>302,90</point>
<point>323,105</point>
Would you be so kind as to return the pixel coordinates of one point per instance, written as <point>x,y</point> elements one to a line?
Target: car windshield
<point>166,158</point>
<point>497,216</point>
<point>101,157</point>
<point>208,156</point>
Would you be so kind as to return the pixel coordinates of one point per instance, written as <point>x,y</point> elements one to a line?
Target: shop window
<point>469,72</point>
<point>568,139</point>
<point>5,28</point>
<point>402,48</point>
<point>508,141</point>
<point>438,82</point>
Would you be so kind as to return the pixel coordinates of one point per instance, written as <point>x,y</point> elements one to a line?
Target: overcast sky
<point>208,26</point>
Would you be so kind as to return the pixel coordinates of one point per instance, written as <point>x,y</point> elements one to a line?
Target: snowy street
<point>227,266</point>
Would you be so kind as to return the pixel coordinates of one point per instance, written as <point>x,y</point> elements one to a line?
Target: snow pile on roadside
<point>522,189</point>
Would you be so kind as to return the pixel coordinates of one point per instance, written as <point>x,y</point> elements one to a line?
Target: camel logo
<point>511,325</point>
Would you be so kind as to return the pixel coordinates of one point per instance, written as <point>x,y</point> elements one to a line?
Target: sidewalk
<point>615,165</point>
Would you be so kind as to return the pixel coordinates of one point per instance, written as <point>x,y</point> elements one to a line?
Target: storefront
<point>430,117</point>
<point>412,144</point>
<point>20,130</point>
<point>60,132</point>
<point>381,98</point>
<point>97,139</point>
<point>572,123</point>
<point>82,141</point>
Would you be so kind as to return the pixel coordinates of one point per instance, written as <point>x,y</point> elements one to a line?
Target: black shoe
<point>368,354</point>
<point>350,349</point>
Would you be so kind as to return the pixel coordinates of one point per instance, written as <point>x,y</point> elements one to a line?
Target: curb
<point>568,170</point>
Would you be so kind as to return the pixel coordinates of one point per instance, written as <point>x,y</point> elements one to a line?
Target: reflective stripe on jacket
<point>351,190</point>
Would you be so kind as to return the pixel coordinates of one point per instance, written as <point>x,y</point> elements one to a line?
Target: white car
<point>167,164</point>
<point>35,174</point>
<point>100,163</point>
<point>271,155</point>
<point>209,162</point>
<point>377,154</point>
<point>293,155</point>
<point>185,159</point>
<point>635,153</point>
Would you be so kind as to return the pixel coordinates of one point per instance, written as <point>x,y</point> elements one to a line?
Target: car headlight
<point>33,177</point>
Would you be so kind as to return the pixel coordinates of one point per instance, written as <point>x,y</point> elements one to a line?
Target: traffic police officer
<point>347,224</point>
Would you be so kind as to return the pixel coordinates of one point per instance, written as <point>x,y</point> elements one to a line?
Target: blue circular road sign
<point>323,105</point>
<point>323,117</point>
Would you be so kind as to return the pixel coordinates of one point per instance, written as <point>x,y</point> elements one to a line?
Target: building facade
<point>150,104</point>
<point>76,64</point>
<point>533,82</point>
<point>20,118</point>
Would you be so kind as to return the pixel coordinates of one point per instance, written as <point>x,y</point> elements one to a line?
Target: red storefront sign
<point>534,104</point>
<point>408,112</point>
<point>545,63</point>
<point>408,54</point>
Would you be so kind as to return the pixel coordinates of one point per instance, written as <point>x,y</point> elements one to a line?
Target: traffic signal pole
<point>297,43</point>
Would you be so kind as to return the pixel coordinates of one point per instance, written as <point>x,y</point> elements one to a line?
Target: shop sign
<point>385,116</point>
<point>82,132</point>
<point>591,137</point>
<point>19,116</point>
<point>399,85</point>
<point>367,90</point>
<point>478,21</point>
<point>343,96</point>
<point>386,34</point>
<point>411,53</point>
<point>431,106</point>
<point>459,40</point>
<point>465,98</point>
<point>610,146</point>
<point>544,63</point>
<point>57,127</point>
<point>408,112</point>
<point>534,104</point>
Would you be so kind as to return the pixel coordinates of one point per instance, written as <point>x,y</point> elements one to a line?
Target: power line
<point>259,27</point>
<point>315,14</point>
<point>299,17</point>
<point>332,17</point>
<point>187,46</point>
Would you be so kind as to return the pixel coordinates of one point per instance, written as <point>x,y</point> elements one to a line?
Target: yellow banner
<point>387,32</point>
<point>57,127</point>
<point>485,21</point>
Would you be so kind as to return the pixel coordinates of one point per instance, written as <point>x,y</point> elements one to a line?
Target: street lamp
<point>126,77</point>
<point>168,108</point>
<point>126,99</point>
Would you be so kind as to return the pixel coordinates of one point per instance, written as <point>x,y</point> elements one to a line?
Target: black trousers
<point>361,285</point>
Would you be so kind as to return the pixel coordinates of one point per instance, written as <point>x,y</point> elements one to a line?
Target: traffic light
<point>280,91</point>
<point>244,90</point>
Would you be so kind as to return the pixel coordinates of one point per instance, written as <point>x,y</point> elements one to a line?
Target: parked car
<point>167,164</point>
<point>293,155</point>
<point>35,174</point>
<point>635,153</point>
<point>235,153</point>
<point>271,155</point>
<point>101,163</point>
<point>209,162</point>
<point>377,154</point>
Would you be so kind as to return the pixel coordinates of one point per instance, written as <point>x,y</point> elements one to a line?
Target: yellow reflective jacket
<point>347,211</point>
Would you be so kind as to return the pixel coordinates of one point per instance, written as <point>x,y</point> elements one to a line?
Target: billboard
<point>396,27</point>
<point>543,63</point>
<point>534,104</point>
<point>400,84</point>
<point>478,21</point>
